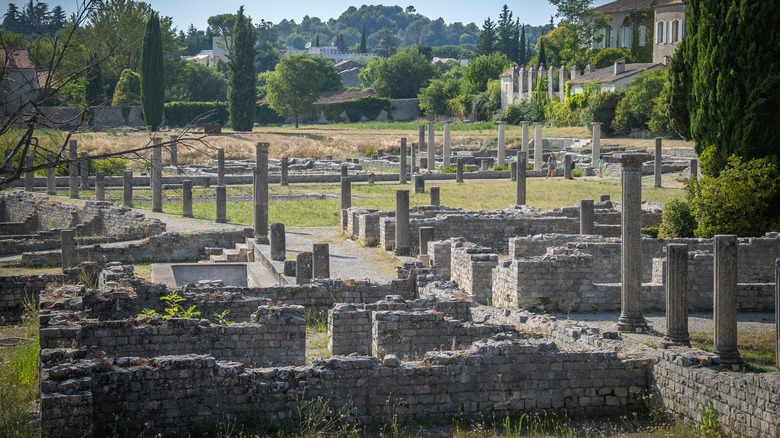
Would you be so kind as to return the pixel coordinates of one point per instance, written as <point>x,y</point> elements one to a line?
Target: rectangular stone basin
<point>231,274</point>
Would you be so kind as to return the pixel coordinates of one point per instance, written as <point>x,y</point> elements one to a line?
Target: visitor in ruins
<point>551,165</point>
<point>601,167</point>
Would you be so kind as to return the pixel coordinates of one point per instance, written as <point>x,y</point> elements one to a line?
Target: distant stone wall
<point>103,117</point>
<point>491,376</point>
<point>471,267</point>
<point>687,382</point>
<point>275,336</point>
<point>402,110</point>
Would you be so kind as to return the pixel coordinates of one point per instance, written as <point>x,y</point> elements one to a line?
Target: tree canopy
<point>400,76</point>
<point>242,94</point>
<point>152,74</point>
<point>294,86</point>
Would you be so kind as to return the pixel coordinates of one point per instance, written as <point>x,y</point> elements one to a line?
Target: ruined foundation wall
<point>275,336</point>
<point>472,268</point>
<point>17,290</point>
<point>745,404</point>
<point>492,376</point>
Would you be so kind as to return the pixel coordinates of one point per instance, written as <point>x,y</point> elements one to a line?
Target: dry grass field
<point>317,141</point>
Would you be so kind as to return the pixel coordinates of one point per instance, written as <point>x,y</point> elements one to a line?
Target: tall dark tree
<point>487,38</point>
<point>12,20</point>
<point>152,74</point>
<point>268,49</point>
<point>362,48</point>
<point>505,32</point>
<point>57,19</point>
<point>241,97</point>
<point>731,86</point>
<point>514,48</point>
<point>340,43</point>
<point>387,43</point>
<point>542,58</point>
<point>523,53</point>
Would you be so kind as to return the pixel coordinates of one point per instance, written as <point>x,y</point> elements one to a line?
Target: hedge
<point>181,114</point>
<point>368,108</point>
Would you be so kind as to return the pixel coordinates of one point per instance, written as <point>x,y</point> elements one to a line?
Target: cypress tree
<point>152,74</point>
<point>362,48</point>
<point>523,54</point>
<point>542,55</point>
<point>730,86</point>
<point>241,67</point>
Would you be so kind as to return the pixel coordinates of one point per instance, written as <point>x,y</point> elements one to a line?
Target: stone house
<point>616,77</point>
<point>20,80</point>
<point>669,28</point>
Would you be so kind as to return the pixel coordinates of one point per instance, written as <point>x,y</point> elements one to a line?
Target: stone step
<point>218,258</point>
<point>234,255</point>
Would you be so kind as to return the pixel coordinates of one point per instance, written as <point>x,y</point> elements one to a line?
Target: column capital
<point>262,146</point>
<point>632,159</point>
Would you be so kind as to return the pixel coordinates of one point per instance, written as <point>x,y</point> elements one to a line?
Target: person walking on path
<point>601,167</point>
<point>551,165</point>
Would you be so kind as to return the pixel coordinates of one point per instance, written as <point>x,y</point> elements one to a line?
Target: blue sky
<point>184,12</point>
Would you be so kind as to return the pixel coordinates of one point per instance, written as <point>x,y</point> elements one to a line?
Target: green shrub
<point>109,166</point>
<point>607,57</point>
<point>264,115</point>
<point>601,108</point>
<point>738,200</point>
<point>676,220</point>
<point>563,114</point>
<point>651,231</point>
<point>368,108</point>
<point>524,111</point>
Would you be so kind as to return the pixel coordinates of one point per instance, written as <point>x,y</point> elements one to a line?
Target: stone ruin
<point>448,338</point>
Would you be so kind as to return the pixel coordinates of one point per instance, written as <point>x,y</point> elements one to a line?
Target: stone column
<point>725,299</point>
<point>596,144</point>
<point>501,143</point>
<point>431,148</point>
<point>777,314</point>
<point>346,199</point>
<point>278,242</point>
<point>73,169</point>
<point>657,168</point>
<point>127,188</point>
<point>174,151</point>
<point>426,235</point>
<point>694,168</point>
<point>513,170</point>
<point>84,164</point>
<point>100,186</point>
<point>402,171</point>
<point>484,164</point>
<point>29,175</point>
<point>421,141</point>
<point>525,141</point>
<point>586,216</point>
<point>51,175</point>
<point>320,265</point>
<point>435,196</point>
<point>567,166</point>
<point>221,204</point>
<point>631,319</point>
<point>402,247</point>
<point>562,83</point>
<point>220,167</point>
<point>261,193</point>
<point>186,198</point>
<point>303,267</point>
<point>459,171</point>
<point>413,155</point>
<point>156,176</point>
<point>520,184</point>
<point>418,181</point>
<point>604,198</point>
<point>285,163</point>
<point>68,248</point>
<point>344,170</point>
<point>538,143</point>
<point>446,149</point>
<point>676,296</point>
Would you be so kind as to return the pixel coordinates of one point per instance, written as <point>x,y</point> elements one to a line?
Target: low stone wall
<point>165,247</point>
<point>410,335</point>
<point>491,376</point>
<point>15,291</point>
<point>275,336</point>
<point>350,326</point>
<point>687,382</point>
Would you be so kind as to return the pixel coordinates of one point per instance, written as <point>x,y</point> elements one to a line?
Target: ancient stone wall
<point>687,384</point>
<point>275,336</point>
<point>15,291</point>
<point>472,268</point>
<point>410,335</point>
<point>491,376</point>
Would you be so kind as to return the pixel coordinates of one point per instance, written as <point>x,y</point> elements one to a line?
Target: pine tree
<point>362,48</point>
<point>152,74</point>
<point>514,49</point>
<point>505,32</point>
<point>242,94</point>
<point>542,55</point>
<point>317,40</point>
<point>731,86</point>
<point>487,38</point>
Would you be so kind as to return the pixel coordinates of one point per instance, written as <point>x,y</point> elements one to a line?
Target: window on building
<point>625,39</point>
<point>642,36</point>
<point>609,37</point>
<point>660,34</point>
<point>675,31</point>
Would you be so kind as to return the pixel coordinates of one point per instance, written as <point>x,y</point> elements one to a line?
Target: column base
<point>666,343</point>
<point>187,215</point>
<point>221,221</point>
<point>729,358</point>
<point>157,210</point>
<point>403,252</point>
<point>635,325</point>
<point>262,240</point>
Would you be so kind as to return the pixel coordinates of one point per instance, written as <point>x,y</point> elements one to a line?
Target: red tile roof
<point>17,59</point>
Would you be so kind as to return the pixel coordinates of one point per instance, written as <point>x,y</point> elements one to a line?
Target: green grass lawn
<point>471,195</point>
